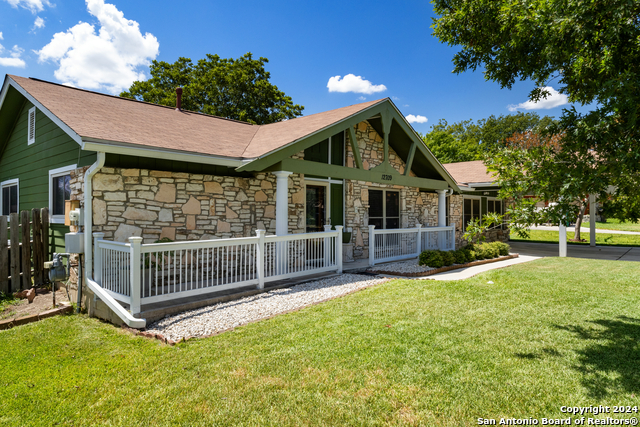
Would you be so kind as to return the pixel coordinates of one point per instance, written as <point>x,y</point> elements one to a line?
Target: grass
<point>547,333</point>
<point>614,224</point>
<point>603,239</point>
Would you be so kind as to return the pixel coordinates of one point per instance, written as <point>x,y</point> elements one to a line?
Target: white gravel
<point>402,267</point>
<point>216,318</point>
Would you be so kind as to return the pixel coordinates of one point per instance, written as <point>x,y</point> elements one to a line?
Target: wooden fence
<point>20,262</point>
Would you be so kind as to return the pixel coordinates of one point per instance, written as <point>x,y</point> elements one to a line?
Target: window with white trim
<point>9,196</point>
<point>384,209</point>
<point>31,130</point>
<point>59,192</point>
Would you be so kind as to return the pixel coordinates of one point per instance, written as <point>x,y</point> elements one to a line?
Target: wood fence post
<point>4,257</point>
<point>14,219</point>
<point>38,279</point>
<point>26,250</point>
<point>44,215</point>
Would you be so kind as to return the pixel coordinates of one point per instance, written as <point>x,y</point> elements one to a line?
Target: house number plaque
<point>386,177</point>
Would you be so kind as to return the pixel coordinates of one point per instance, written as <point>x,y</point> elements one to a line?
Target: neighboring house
<point>479,194</point>
<point>186,176</point>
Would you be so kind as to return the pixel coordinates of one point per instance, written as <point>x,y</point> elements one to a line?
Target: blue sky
<point>386,47</point>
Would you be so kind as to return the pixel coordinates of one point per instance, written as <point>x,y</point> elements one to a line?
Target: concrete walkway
<point>465,273</point>
<point>615,253</point>
<point>584,230</point>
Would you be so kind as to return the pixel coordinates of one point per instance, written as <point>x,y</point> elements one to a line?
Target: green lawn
<point>604,239</point>
<point>545,334</point>
<point>614,224</point>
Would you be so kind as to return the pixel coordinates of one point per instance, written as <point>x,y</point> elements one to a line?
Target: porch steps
<point>154,312</point>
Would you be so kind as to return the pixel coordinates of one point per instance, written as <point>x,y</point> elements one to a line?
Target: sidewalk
<point>584,230</point>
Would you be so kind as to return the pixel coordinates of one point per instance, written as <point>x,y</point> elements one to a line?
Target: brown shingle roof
<point>104,117</point>
<point>469,172</point>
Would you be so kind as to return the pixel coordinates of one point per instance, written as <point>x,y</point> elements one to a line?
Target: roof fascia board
<point>62,125</point>
<point>409,130</point>
<point>342,172</point>
<point>269,159</point>
<point>113,147</point>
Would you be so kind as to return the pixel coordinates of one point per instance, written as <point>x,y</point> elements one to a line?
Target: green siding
<point>31,164</point>
<point>337,204</point>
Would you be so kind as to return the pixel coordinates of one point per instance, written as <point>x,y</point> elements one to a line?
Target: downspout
<point>114,305</point>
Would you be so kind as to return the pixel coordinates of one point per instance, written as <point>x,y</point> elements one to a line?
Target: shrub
<point>431,259</point>
<point>487,251</point>
<point>471,256</point>
<point>460,256</point>
<point>503,248</point>
<point>448,258</point>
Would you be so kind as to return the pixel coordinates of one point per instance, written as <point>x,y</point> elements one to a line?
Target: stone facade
<point>182,206</point>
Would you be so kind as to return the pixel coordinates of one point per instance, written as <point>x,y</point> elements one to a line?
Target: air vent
<point>32,126</point>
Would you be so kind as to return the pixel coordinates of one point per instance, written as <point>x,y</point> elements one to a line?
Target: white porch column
<point>282,202</point>
<point>592,220</point>
<point>442,208</point>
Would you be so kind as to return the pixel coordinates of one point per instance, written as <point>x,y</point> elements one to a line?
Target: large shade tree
<point>588,50</point>
<point>233,88</point>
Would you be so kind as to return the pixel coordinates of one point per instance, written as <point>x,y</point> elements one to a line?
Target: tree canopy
<point>465,141</point>
<point>233,88</point>
<point>589,51</point>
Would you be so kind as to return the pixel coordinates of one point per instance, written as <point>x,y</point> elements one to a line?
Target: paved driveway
<point>577,251</point>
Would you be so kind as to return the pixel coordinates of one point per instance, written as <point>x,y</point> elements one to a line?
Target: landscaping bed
<point>22,311</point>
<point>400,268</point>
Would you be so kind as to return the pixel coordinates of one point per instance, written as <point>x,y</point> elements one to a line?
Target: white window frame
<point>31,137</point>
<point>54,173</point>
<point>10,183</point>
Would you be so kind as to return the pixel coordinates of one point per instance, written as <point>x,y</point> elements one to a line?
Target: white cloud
<point>33,5</point>
<point>1,38</point>
<point>361,98</point>
<point>110,59</point>
<point>416,119</point>
<point>554,99</point>
<point>352,83</point>
<point>14,60</point>
<point>39,23</point>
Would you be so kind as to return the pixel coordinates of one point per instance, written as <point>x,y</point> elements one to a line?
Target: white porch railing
<point>405,243</point>
<point>137,274</point>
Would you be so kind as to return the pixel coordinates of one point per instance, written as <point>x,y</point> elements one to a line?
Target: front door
<point>316,208</point>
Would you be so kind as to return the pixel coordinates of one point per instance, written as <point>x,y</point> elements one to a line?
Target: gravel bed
<point>209,320</point>
<point>402,267</point>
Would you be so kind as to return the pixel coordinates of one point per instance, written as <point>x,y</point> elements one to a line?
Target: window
<point>31,138</point>
<point>447,211</point>
<point>59,192</point>
<point>495,206</point>
<point>384,208</point>
<point>471,210</point>
<point>9,196</point>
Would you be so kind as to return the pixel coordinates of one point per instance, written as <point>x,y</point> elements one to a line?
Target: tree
<point>590,51</point>
<point>233,88</point>
<point>465,141</point>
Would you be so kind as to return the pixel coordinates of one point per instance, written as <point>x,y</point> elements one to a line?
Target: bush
<point>460,256</point>
<point>448,258</point>
<point>471,256</point>
<point>487,251</point>
<point>503,248</point>
<point>431,259</point>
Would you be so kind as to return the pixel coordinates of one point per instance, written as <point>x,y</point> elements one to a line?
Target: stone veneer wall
<point>183,206</point>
